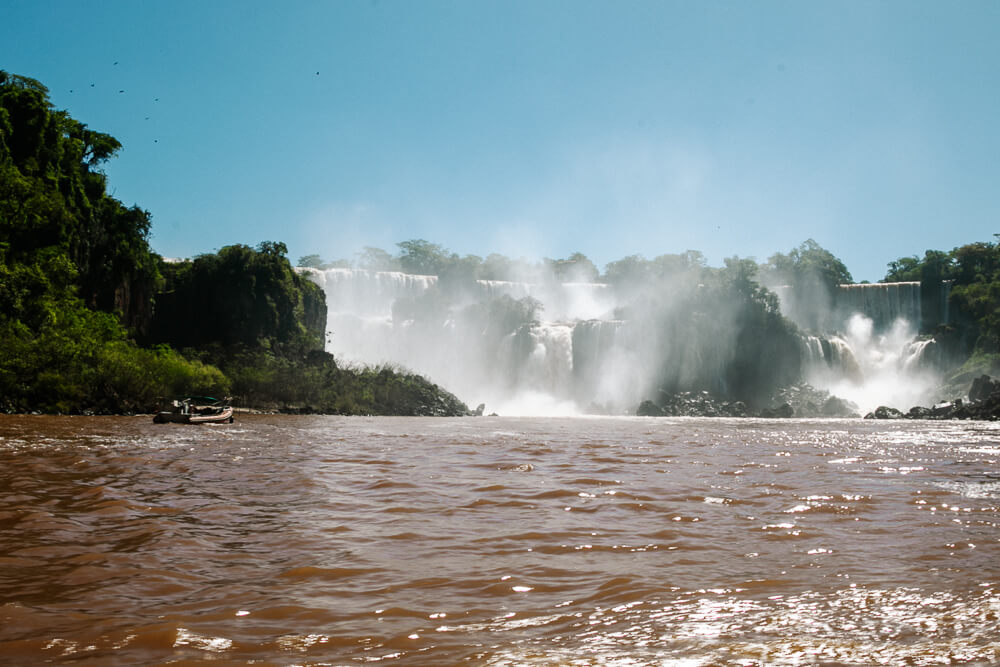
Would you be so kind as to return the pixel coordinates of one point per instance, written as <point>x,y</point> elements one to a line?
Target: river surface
<point>499,541</point>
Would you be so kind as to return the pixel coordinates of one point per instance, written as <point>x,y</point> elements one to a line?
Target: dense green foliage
<point>973,271</point>
<point>811,275</point>
<point>79,283</point>
<point>60,228</point>
<point>76,272</point>
<point>239,296</point>
<point>709,329</point>
<point>315,384</point>
<point>421,257</point>
<point>248,312</point>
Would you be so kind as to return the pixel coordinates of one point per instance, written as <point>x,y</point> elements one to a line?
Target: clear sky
<point>537,127</point>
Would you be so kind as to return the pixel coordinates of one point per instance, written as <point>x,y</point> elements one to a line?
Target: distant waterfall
<point>368,293</point>
<point>561,301</point>
<point>578,355</point>
<point>867,348</point>
<point>871,367</point>
<point>571,358</point>
<point>883,303</point>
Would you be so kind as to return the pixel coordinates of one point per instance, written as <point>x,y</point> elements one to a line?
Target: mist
<point>558,337</point>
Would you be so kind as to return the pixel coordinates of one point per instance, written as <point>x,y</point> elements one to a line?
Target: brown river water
<point>284,540</point>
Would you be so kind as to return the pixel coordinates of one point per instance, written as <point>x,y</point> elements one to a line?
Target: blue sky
<point>537,128</point>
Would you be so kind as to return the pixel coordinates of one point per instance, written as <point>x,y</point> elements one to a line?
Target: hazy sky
<point>537,128</point>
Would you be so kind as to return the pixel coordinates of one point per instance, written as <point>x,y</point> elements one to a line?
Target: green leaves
<point>973,271</point>
<point>239,296</point>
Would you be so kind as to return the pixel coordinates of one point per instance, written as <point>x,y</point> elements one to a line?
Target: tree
<point>376,259</point>
<point>812,275</point>
<point>577,268</point>
<point>311,261</point>
<point>422,257</point>
<point>243,296</point>
<point>633,270</point>
<point>903,269</point>
<point>810,263</point>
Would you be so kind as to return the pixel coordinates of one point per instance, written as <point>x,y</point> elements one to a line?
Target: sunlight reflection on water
<point>499,541</point>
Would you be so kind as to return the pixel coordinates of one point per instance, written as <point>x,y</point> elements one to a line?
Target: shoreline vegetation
<point>94,322</point>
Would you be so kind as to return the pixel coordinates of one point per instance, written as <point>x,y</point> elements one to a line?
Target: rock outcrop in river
<point>982,403</point>
<point>798,400</point>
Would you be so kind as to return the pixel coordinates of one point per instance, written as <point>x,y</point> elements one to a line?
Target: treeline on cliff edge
<point>92,321</point>
<point>713,329</point>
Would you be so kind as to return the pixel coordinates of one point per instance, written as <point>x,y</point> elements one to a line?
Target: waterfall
<point>867,348</point>
<point>870,367</point>
<point>578,356</point>
<point>491,289</point>
<point>367,293</point>
<point>562,301</point>
<point>568,360</point>
<point>883,303</point>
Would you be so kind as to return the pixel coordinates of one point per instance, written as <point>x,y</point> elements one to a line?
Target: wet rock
<point>982,388</point>
<point>692,404</point>
<point>783,411</point>
<point>838,407</point>
<point>944,410</point>
<point>737,409</point>
<point>808,401</point>
<point>983,404</point>
<point>885,412</point>
<point>648,409</point>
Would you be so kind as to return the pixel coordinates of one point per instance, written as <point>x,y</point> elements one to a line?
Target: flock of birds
<point>122,92</point>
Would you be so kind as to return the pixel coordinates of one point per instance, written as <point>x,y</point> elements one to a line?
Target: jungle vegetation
<point>93,321</point>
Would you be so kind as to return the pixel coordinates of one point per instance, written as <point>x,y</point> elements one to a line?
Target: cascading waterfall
<point>368,293</point>
<point>883,303</point>
<point>875,357</point>
<point>570,359</point>
<point>580,357</point>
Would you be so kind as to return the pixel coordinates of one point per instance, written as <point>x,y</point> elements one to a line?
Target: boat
<point>196,410</point>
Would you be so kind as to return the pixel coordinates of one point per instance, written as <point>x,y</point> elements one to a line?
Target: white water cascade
<point>872,355</point>
<point>883,303</point>
<point>574,360</point>
<point>580,357</point>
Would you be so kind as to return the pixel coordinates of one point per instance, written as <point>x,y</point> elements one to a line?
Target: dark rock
<point>885,412</point>
<point>736,409</point>
<point>692,404</point>
<point>942,410</point>
<point>918,412</point>
<point>982,388</point>
<point>784,411</point>
<point>838,407</point>
<point>808,401</point>
<point>478,412</point>
<point>649,409</point>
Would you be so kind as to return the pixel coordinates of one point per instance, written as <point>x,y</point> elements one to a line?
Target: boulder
<point>808,401</point>
<point>649,409</point>
<point>783,411</point>
<point>885,412</point>
<point>982,388</point>
<point>838,407</point>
